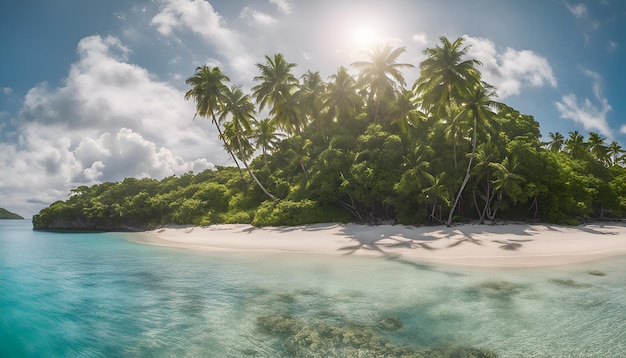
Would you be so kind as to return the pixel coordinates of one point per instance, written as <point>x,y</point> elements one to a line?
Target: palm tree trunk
<point>304,170</point>
<point>432,213</point>
<point>219,130</point>
<point>265,158</point>
<point>256,180</point>
<point>467,175</point>
<point>481,213</point>
<point>454,146</point>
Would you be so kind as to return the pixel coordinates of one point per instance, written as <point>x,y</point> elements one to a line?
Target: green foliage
<point>5,214</point>
<point>288,213</point>
<point>359,149</point>
<point>134,204</point>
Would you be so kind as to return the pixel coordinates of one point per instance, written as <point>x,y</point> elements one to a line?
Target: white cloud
<point>623,129</point>
<point>421,39</point>
<point>107,121</point>
<point>511,70</point>
<point>199,17</point>
<point>578,10</point>
<point>592,116</point>
<point>284,6</point>
<point>257,16</point>
<point>196,15</point>
<point>7,90</point>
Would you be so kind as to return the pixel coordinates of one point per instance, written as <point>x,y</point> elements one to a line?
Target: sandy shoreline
<point>510,245</point>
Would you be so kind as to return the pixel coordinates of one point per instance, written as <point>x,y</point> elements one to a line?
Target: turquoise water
<point>102,295</point>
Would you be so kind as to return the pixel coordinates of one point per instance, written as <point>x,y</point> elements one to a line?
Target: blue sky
<point>92,91</point>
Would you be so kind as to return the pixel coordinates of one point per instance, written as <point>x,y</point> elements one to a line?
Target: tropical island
<point>5,214</point>
<point>363,146</point>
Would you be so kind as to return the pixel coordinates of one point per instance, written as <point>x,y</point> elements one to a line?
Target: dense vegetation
<point>5,214</point>
<point>368,148</point>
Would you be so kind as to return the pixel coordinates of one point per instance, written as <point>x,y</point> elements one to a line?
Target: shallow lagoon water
<point>102,295</point>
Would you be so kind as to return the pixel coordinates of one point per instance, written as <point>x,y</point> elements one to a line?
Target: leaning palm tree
<point>276,87</point>
<point>478,106</point>
<point>240,109</point>
<point>382,74</point>
<point>207,91</point>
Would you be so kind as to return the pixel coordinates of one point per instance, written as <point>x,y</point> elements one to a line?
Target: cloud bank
<point>102,124</point>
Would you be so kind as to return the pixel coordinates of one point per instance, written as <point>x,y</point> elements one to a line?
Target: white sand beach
<point>508,245</point>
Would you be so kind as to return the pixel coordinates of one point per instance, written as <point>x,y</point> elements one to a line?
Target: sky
<point>93,91</point>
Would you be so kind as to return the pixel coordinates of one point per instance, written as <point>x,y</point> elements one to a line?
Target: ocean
<point>104,295</point>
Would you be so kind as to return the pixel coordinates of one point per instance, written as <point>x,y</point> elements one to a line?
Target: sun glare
<point>363,33</point>
<point>364,37</point>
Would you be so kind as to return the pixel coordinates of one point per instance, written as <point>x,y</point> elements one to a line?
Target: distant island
<point>366,148</point>
<point>5,214</point>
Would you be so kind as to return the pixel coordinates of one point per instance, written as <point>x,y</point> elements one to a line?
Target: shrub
<point>236,217</point>
<point>289,213</point>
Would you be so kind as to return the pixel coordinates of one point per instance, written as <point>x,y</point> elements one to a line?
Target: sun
<point>364,36</point>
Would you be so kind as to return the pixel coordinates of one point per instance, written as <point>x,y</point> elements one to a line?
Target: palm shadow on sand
<point>375,240</point>
<point>393,237</point>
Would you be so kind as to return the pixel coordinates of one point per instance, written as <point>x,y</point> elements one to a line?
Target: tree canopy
<point>364,147</point>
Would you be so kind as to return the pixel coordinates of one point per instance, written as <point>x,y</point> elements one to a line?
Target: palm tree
<point>333,153</point>
<point>404,113</point>
<point>479,106</point>
<point>417,165</point>
<point>207,91</point>
<point>265,136</point>
<point>486,156</point>
<point>311,94</point>
<point>382,74</point>
<point>556,142</point>
<point>436,190</point>
<point>575,145</point>
<point>598,149</point>
<point>236,143</point>
<point>239,108</point>
<point>615,151</point>
<point>507,181</point>
<point>444,76</point>
<point>276,88</point>
<point>456,130</point>
<point>300,150</point>
<point>342,98</point>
